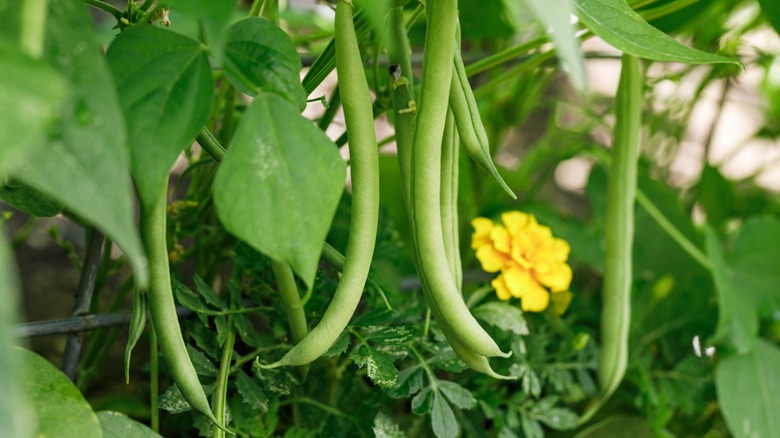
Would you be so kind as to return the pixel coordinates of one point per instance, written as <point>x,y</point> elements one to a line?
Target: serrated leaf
<point>458,395</point>
<point>748,387</point>
<point>379,367</point>
<point>340,346</point>
<point>172,401</point>
<point>616,23</point>
<point>259,56</point>
<point>118,425</point>
<point>251,392</point>
<point>83,165</point>
<point>503,315</point>
<point>165,90</point>
<point>558,418</point>
<point>422,402</point>
<point>442,418</point>
<point>396,335</point>
<point>56,403</point>
<point>737,320</point>
<point>208,294</point>
<point>278,381</point>
<point>187,298</point>
<point>280,184</point>
<point>410,380</point>
<point>32,95</point>
<point>384,427</point>
<point>246,330</point>
<point>378,317</point>
<point>202,364</point>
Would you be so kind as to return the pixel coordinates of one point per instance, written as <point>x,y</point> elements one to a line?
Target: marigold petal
<point>501,239</point>
<point>535,300</point>
<point>491,260</point>
<point>560,250</point>
<point>557,277</point>
<point>519,253</point>
<point>520,282</point>
<point>481,236</point>
<point>515,221</point>
<point>501,290</point>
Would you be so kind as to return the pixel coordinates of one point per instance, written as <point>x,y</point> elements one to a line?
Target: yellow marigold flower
<point>532,262</point>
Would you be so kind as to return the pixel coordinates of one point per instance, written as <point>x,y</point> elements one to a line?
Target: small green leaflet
<point>251,392</point>
<point>379,367</point>
<point>622,28</point>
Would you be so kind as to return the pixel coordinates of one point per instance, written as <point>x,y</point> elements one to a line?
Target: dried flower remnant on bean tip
<point>531,262</point>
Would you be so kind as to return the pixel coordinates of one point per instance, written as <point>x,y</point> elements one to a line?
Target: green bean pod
<point>364,158</point>
<point>472,131</point>
<point>427,232</point>
<point>162,307</point>
<point>449,199</point>
<point>619,226</point>
<point>137,325</point>
<point>291,300</point>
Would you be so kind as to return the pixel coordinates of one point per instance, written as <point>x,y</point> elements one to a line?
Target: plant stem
<point>105,7</point>
<point>671,230</point>
<point>220,395</point>
<point>33,27</point>
<point>154,382</point>
<point>209,143</point>
<point>257,6</point>
<point>291,300</point>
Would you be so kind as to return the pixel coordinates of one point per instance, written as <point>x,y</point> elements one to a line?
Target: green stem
<point>105,7</point>
<point>227,117</point>
<point>154,379</point>
<point>33,27</point>
<point>220,395</point>
<point>315,403</point>
<point>257,6</point>
<point>504,56</point>
<point>253,355</point>
<point>671,230</point>
<point>211,145</point>
<point>291,300</point>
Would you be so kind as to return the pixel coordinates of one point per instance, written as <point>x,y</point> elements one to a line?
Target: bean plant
<point>310,254</point>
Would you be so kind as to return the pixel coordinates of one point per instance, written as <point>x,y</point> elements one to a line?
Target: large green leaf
<point>280,184</point>
<point>59,407</point>
<point>261,56</point>
<point>11,403</point>
<point>27,199</point>
<point>555,14</point>
<point>213,14</point>
<point>165,90</point>
<point>748,387</point>
<point>84,164</point>
<point>755,260</point>
<point>31,96</point>
<point>617,24</point>
<point>771,10</point>
<point>118,425</point>
<point>737,320</point>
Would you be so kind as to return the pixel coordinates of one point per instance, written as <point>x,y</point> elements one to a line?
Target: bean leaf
<point>83,165</point>
<point>165,89</point>
<point>503,315</point>
<point>118,425</point>
<point>251,392</point>
<point>458,395</point>
<point>261,56</point>
<point>379,367</point>
<point>442,418</point>
<point>748,385</point>
<point>280,184</point>
<point>622,28</point>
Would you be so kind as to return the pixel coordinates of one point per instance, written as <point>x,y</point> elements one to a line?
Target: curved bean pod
<point>619,225</point>
<point>470,127</point>
<point>364,160</point>
<point>162,307</point>
<point>449,199</point>
<point>426,182</point>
